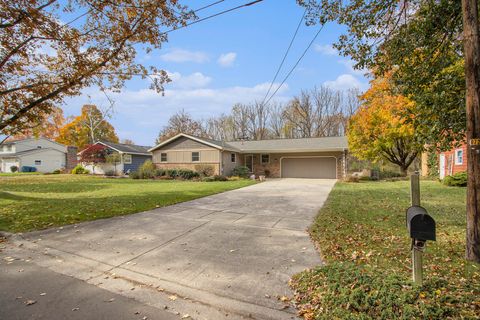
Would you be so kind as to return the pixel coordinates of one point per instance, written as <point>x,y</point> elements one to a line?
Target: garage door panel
<point>314,168</point>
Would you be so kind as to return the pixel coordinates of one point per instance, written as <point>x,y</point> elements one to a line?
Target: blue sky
<point>227,59</point>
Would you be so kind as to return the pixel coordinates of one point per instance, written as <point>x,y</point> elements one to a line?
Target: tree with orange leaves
<point>379,129</point>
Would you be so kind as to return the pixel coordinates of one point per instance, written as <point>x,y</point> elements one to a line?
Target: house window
<point>233,157</point>
<point>195,156</point>
<point>163,157</point>
<point>9,148</point>
<point>265,158</point>
<point>459,156</point>
<point>38,162</point>
<point>127,159</point>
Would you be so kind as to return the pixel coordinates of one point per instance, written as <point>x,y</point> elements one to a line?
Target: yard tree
<point>378,131</point>
<point>428,42</point>
<point>113,158</point>
<point>87,128</point>
<point>51,50</point>
<point>180,122</point>
<point>93,155</point>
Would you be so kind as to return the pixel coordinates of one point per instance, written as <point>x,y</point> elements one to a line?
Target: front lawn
<point>41,201</point>
<point>362,237</point>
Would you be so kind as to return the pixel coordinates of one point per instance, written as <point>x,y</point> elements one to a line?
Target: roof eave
<point>293,150</point>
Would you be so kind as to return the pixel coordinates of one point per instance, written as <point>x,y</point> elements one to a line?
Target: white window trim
<point>166,157</point>
<point>35,162</point>
<point>456,156</point>
<point>125,158</point>
<point>261,158</point>
<point>198,156</point>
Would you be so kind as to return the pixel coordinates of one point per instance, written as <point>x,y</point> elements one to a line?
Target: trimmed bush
<point>457,180</point>
<point>187,174</point>
<point>204,170</point>
<point>159,173</point>
<point>14,168</point>
<point>215,178</point>
<point>172,173</point>
<point>134,175</point>
<point>79,169</point>
<point>241,171</point>
<point>58,171</point>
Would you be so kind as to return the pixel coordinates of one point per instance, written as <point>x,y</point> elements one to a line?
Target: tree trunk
<point>472,75</point>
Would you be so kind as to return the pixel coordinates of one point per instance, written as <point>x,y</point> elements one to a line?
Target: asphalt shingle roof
<point>292,145</point>
<point>127,148</point>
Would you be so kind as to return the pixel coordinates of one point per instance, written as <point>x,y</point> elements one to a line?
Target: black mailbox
<point>420,224</point>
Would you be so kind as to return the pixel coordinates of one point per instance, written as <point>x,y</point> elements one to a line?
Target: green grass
<point>17,174</point>
<point>41,201</point>
<point>362,237</point>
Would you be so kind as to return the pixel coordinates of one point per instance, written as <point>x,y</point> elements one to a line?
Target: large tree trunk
<point>472,75</point>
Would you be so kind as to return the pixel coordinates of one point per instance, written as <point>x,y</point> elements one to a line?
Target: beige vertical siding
<point>227,163</point>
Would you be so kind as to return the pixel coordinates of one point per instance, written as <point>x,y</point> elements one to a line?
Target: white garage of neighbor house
<point>43,154</point>
<point>316,158</point>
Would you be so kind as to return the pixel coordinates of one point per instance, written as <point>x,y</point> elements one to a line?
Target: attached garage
<point>309,167</point>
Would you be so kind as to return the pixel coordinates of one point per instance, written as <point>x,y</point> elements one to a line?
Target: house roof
<point>221,145</point>
<point>292,145</point>
<point>24,152</point>
<point>273,145</point>
<point>126,148</point>
<point>15,141</point>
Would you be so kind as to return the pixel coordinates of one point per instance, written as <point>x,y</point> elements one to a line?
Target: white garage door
<point>313,168</point>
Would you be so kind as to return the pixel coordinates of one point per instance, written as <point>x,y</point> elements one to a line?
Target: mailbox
<point>420,224</point>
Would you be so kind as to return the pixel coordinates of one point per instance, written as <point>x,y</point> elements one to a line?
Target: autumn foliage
<point>379,129</point>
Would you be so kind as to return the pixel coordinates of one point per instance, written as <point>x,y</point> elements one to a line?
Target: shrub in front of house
<point>215,178</point>
<point>241,171</point>
<point>13,168</point>
<point>79,169</point>
<point>457,180</point>
<point>187,174</point>
<point>204,170</point>
<point>159,173</point>
<point>147,170</point>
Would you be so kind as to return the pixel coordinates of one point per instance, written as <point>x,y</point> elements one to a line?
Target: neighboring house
<point>43,154</point>
<point>131,158</point>
<point>453,161</point>
<point>285,158</point>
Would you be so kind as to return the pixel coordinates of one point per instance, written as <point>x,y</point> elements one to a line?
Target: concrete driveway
<point>228,255</point>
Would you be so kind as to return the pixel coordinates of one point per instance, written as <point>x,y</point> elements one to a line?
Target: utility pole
<point>471,45</point>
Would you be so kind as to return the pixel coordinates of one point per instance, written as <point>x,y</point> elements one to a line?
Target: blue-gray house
<point>131,158</point>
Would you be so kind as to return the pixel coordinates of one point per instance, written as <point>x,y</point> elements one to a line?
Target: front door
<point>442,166</point>
<point>249,162</point>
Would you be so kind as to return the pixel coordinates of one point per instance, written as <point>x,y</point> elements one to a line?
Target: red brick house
<point>453,161</point>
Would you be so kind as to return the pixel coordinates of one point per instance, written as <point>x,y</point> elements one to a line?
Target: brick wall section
<point>450,166</point>
<point>71,158</point>
<point>190,166</point>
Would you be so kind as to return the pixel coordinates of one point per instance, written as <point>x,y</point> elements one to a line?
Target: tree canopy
<point>87,128</point>
<point>379,131</point>
<point>50,50</point>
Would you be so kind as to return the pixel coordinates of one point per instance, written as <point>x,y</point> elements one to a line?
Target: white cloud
<point>181,55</point>
<point>227,59</point>
<point>326,49</point>
<point>194,80</point>
<point>144,112</point>
<point>345,81</point>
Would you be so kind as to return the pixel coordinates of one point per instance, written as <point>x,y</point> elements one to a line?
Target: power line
<point>215,15</point>
<point>208,5</point>
<point>284,57</point>
<point>296,64</point>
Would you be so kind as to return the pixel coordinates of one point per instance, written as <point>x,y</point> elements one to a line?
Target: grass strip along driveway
<point>362,237</point>
<point>41,201</point>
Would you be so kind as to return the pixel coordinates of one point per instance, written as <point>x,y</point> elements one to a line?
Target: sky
<point>228,59</point>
